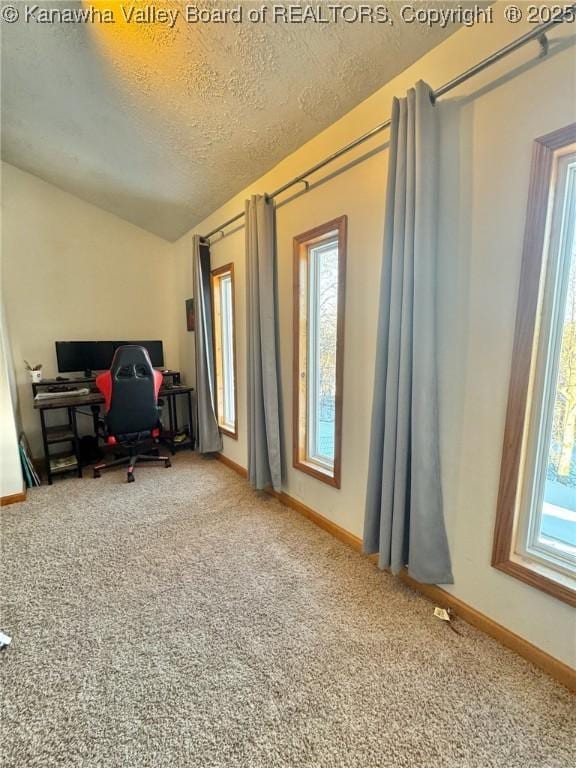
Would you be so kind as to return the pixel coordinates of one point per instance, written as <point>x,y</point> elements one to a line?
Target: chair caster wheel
<point>96,474</point>
<point>167,463</point>
<point>130,477</point>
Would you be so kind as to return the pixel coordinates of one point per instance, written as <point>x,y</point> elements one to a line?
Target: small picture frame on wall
<point>190,315</point>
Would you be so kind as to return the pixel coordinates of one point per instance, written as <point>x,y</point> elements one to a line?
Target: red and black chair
<point>132,415</point>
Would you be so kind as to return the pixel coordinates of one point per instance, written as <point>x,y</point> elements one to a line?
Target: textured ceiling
<point>161,126</point>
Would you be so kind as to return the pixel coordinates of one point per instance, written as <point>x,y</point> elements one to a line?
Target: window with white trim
<point>547,522</point>
<point>225,358</point>
<point>319,268</point>
<point>535,532</point>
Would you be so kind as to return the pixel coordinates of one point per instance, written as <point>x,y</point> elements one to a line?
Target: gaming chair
<point>132,416</point>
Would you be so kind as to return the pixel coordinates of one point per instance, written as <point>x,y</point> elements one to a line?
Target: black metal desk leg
<point>170,417</point>
<point>72,418</point>
<point>171,421</point>
<point>45,442</point>
<point>95,418</point>
<point>175,406</point>
<point>190,425</point>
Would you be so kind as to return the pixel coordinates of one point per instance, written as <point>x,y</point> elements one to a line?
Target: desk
<point>68,433</point>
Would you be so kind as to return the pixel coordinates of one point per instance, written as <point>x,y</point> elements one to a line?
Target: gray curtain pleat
<point>404,519</point>
<point>208,437</point>
<point>264,438</point>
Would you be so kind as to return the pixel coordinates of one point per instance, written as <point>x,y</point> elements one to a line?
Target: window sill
<point>318,471</point>
<point>539,576</point>
<point>228,432</point>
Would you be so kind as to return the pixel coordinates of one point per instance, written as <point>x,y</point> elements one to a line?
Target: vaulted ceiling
<point>162,124</point>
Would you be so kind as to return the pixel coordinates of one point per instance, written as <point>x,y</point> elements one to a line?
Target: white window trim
<point>313,352</point>
<point>331,232</point>
<point>225,349</point>
<point>227,340</point>
<point>555,271</point>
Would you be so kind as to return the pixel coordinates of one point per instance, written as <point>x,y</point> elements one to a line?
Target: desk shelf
<point>62,470</point>
<point>60,434</point>
<point>167,436</point>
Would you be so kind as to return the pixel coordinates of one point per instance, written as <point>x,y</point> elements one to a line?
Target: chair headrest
<point>131,361</point>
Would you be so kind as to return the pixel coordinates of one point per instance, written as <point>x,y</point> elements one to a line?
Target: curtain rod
<point>538,33</point>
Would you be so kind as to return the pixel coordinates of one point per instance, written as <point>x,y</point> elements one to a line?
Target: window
<point>319,282</point>
<point>535,537</point>
<point>224,348</point>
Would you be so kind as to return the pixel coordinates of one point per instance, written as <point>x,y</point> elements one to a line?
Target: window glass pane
<point>549,533</point>
<point>557,527</point>
<point>227,350</point>
<point>223,312</point>
<point>319,286</point>
<point>322,346</point>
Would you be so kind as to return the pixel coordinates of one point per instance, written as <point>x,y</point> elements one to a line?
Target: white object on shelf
<point>67,393</point>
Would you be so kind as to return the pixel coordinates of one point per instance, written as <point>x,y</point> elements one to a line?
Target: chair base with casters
<point>131,459</point>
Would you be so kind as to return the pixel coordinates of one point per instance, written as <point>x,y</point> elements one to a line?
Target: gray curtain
<point>404,520</point>
<point>264,440</point>
<point>208,438</point>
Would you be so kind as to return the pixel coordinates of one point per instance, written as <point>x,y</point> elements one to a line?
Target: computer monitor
<point>155,350</point>
<point>89,356</point>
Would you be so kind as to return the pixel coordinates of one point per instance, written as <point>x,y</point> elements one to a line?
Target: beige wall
<point>488,126</point>
<point>72,272</point>
<point>11,481</point>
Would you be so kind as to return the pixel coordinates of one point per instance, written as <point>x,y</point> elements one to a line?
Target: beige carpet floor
<point>184,620</point>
